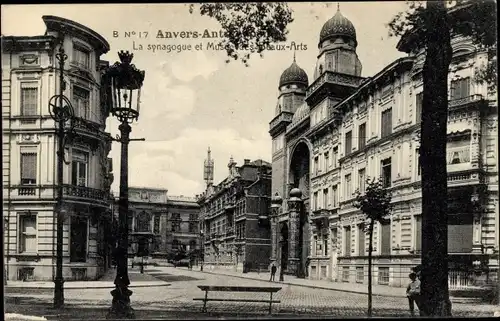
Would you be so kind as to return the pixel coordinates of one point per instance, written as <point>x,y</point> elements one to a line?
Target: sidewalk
<point>381,290</point>
<point>137,280</point>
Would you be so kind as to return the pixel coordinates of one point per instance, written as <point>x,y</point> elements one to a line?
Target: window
<point>386,123</point>
<point>335,156</point>
<point>316,165</point>
<point>156,224</point>
<point>418,108</point>
<point>361,136</point>
<point>334,196</point>
<point>360,274</point>
<point>460,88</point>
<point>81,57</point>
<point>78,241</point>
<point>27,235</point>
<point>345,274</point>
<point>417,152</point>
<point>315,200</point>
<point>327,161</point>
<point>28,168</point>
<point>383,275</point>
<point>175,244</point>
<point>176,222</point>
<point>362,180</point>
<point>81,99</point>
<point>348,187</point>
<point>29,101</point>
<point>348,143</point>
<point>418,233</point>
<point>347,241</point>
<point>325,198</point>
<point>385,239</point>
<point>79,168</point>
<point>361,239</point>
<point>143,222</point>
<point>193,217</point>
<point>386,172</point>
<point>192,227</point>
<point>325,245</point>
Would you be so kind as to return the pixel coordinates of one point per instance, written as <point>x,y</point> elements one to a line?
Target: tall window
<point>417,152</point>
<point>315,200</point>
<point>176,222</point>
<point>362,136</point>
<point>327,161</point>
<point>348,143</point>
<point>347,239</point>
<point>386,172</point>
<point>316,165</point>
<point>78,241</point>
<point>418,108</point>
<point>81,57</point>
<point>27,235</point>
<point>29,101</point>
<point>386,122</point>
<point>334,196</point>
<point>361,240</point>
<point>385,239</point>
<point>28,168</point>
<point>325,198</point>
<point>362,180</point>
<point>460,88</point>
<point>335,156</point>
<point>156,224</point>
<point>79,168</point>
<point>81,102</point>
<point>325,245</point>
<point>348,186</point>
<point>418,233</point>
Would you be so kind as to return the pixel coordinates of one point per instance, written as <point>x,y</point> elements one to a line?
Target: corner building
<point>332,134</point>
<point>234,218</point>
<point>30,77</point>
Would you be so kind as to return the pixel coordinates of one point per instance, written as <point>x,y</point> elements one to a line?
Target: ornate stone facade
<point>357,128</point>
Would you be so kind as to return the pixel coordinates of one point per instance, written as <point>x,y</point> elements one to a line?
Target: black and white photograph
<point>250,160</point>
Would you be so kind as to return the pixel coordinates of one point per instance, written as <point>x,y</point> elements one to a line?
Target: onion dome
<point>337,26</point>
<point>294,75</point>
<point>301,113</point>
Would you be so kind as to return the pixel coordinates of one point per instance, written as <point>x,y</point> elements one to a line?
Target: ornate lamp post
<point>125,81</point>
<point>61,111</point>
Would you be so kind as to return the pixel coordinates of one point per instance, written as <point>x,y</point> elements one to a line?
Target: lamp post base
<point>58,293</point>
<point>120,307</point>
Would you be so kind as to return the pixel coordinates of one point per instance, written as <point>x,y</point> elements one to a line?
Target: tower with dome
<point>332,131</point>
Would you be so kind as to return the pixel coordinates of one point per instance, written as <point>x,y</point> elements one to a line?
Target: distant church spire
<point>208,172</point>
<point>338,6</point>
<point>294,55</point>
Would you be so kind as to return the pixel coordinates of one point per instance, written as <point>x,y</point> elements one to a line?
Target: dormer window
<point>81,57</point>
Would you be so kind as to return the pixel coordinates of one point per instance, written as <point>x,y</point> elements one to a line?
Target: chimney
<point>247,161</point>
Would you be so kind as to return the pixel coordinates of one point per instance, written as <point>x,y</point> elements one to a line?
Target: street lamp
<point>125,82</point>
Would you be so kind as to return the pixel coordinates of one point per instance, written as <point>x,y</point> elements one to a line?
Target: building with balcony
<point>234,217</point>
<point>333,134</point>
<point>30,77</point>
<point>161,223</point>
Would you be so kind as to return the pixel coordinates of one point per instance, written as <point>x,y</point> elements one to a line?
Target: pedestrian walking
<point>413,293</point>
<point>273,271</point>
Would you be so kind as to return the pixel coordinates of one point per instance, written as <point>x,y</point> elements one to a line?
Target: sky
<point>193,99</point>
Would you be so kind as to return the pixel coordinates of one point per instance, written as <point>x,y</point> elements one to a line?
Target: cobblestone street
<point>178,297</point>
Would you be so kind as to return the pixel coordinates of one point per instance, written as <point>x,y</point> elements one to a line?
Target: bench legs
<point>204,309</point>
<point>271,303</point>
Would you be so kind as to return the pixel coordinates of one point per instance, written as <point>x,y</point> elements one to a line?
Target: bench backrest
<point>229,288</point>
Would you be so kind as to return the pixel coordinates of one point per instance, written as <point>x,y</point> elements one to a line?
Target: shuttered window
<point>29,101</point>
<point>385,235</point>
<point>348,143</point>
<point>28,168</point>
<point>361,136</point>
<point>347,239</point>
<point>361,240</point>
<point>27,237</point>
<point>386,123</point>
<point>418,108</point>
<point>460,88</point>
<point>460,233</point>
<point>418,233</point>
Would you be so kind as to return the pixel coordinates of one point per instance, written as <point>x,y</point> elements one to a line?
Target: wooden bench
<point>215,288</point>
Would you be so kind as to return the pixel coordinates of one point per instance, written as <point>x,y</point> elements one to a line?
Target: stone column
<point>276,203</point>
<point>294,206</point>
<point>476,212</point>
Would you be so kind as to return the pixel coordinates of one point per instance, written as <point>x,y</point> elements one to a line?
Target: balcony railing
<point>26,191</point>
<point>335,78</point>
<point>458,280</point>
<point>85,192</point>
<point>455,103</point>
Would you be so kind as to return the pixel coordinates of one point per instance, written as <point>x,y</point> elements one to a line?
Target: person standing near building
<point>413,293</point>
<point>273,271</point>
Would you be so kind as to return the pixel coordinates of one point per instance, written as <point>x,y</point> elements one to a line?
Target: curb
<point>303,285</point>
<point>87,287</point>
